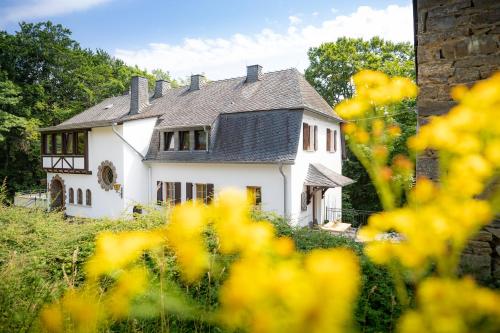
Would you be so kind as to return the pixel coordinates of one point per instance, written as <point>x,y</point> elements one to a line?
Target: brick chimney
<point>139,95</point>
<point>196,81</point>
<point>161,88</point>
<point>254,73</point>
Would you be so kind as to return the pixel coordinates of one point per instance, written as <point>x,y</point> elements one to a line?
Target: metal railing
<point>356,218</point>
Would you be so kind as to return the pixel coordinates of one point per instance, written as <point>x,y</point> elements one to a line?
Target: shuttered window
<point>254,196</point>
<point>306,136</point>
<point>205,192</point>
<point>189,191</point>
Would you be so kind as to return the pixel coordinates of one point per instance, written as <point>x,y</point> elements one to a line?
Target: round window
<point>106,175</point>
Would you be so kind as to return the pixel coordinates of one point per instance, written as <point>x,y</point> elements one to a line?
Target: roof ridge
<point>244,76</point>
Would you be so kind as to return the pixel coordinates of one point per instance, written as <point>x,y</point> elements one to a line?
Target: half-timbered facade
<point>269,134</point>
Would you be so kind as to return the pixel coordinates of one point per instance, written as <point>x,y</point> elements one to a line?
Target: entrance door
<point>56,194</point>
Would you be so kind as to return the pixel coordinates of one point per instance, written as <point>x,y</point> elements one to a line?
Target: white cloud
<point>315,14</point>
<point>227,57</point>
<point>334,10</point>
<point>294,20</point>
<point>36,9</point>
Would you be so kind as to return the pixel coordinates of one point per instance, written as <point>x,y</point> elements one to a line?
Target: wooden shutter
<point>189,191</point>
<point>334,141</point>
<point>315,137</point>
<point>159,192</point>
<point>177,193</point>
<point>210,193</point>
<point>328,140</point>
<point>306,135</point>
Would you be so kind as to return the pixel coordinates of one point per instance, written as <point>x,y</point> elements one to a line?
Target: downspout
<point>138,153</point>
<point>285,213</point>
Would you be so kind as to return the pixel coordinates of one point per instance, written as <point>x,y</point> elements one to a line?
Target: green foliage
<point>330,70</point>
<point>377,309</point>
<point>42,254</point>
<point>45,78</point>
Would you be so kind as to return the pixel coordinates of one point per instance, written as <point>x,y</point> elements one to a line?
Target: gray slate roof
<point>180,107</point>
<point>321,176</point>
<point>248,137</point>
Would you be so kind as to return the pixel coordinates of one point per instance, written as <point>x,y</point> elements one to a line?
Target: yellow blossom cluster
<point>375,89</point>
<point>468,138</point>
<point>276,294</point>
<point>270,287</point>
<point>370,131</point>
<point>453,305</point>
<point>435,227</point>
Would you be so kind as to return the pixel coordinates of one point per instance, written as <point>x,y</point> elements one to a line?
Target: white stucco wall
<point>135,187</point>
<point>333,197</point>
<point>238,176</point>
<point>132,173</point>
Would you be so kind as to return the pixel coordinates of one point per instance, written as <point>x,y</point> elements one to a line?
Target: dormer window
<point>200,140</point>
<point>168,139</point>
<point>184,140</point>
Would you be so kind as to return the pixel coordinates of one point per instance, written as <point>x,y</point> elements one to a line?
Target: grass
<point>42,254</point>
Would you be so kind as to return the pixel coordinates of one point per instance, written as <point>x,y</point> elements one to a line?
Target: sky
<point>218,38</point>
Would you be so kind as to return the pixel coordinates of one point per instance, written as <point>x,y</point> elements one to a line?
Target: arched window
<point>88,198</point>
<point>71,196</point>
<point>79,196</point>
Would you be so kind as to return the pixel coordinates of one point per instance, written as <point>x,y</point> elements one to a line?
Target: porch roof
<point>321,176</point>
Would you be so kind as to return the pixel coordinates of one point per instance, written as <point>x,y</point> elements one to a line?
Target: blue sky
<point>216,37</point>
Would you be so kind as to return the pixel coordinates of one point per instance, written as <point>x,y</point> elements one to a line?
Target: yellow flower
<point>448,305</point>
<point>352,108</point>
<point>184,236</point>
<point>52,319</point>
<point>130,283</point>
<point>116,250</point>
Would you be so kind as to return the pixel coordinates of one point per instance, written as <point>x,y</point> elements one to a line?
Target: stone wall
<point>457,43</point>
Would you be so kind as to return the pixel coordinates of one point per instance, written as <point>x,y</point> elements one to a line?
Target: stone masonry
<point>457,42</point>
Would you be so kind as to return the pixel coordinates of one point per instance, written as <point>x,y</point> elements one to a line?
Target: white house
<point>270,134</point>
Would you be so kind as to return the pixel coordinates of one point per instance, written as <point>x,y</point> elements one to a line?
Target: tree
<point>330,70</point>
<point>46,78</point>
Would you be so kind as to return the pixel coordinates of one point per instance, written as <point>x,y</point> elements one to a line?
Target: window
<point>168,141</point>
<point>200,140</point>
<point>159,192</point>
<point>205,192</point>
<point>254,196</point>
<point>173,193</point>
<point>71,196</point>
<point>58,143</point>
<point>88,198</point>
<point>331,140</point>
<point>68,143</point>
<point>107,175</point>
<point>48,144</point>
<point>201,192</point>
<point>80,143</point>
<point>79,196</point>
<point>184,140</point>
<point>310,137</point>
